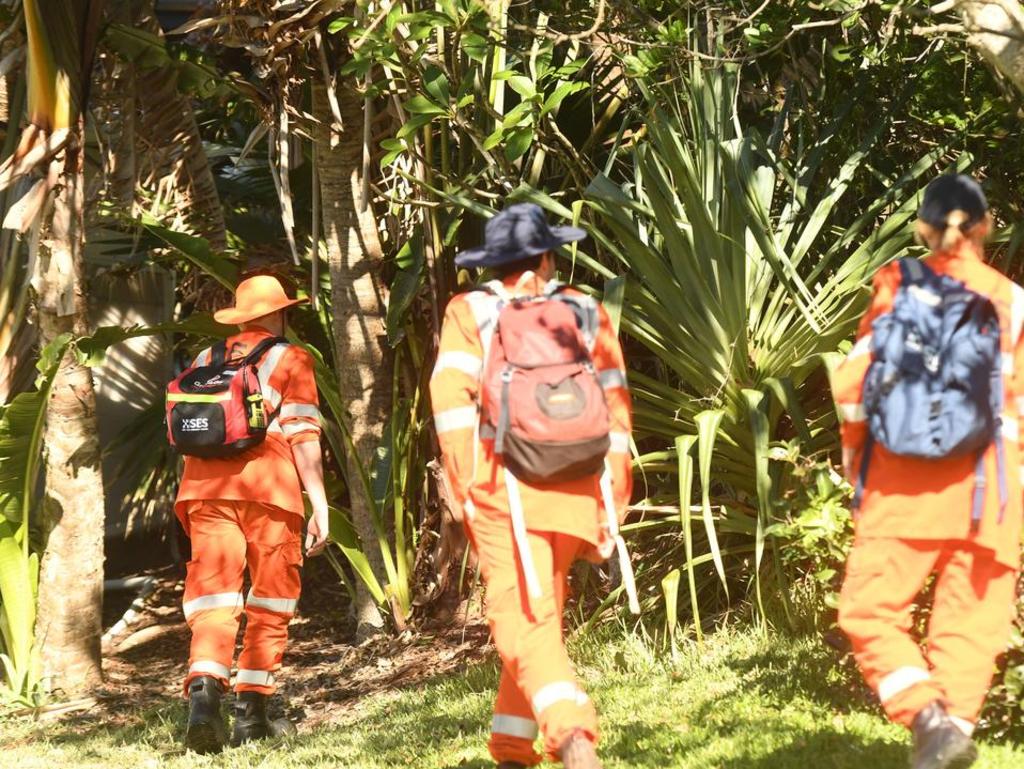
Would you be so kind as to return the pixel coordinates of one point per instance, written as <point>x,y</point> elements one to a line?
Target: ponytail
<point>954,230</point>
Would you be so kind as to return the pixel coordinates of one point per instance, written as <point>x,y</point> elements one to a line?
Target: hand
<point>317,532</point>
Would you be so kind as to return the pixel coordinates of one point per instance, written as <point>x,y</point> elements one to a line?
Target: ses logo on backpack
<point>218,410</point>
<point>934,386</point>
<point>541,397</point>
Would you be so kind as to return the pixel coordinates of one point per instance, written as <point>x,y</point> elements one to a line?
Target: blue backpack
<point>934,388</point>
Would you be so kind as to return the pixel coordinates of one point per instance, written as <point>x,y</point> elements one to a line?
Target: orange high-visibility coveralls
<point>915,520</point>
<point>564,521</point>
<point>248,510</point>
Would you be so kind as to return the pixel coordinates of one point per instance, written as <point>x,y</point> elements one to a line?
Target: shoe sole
<point>963,759</point>
<point>204,738</point>
<point>959,760</point>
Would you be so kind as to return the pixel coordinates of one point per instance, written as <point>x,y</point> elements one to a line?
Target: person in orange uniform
<point>538,691</point>
<point>915,517</point>
<point>248,511</point>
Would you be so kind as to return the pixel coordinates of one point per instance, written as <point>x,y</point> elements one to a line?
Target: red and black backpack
<point>218,409</point>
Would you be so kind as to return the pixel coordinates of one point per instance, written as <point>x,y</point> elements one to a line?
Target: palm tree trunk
<point>68,624</point>
<point>996,29</point>
<point>362,356</point>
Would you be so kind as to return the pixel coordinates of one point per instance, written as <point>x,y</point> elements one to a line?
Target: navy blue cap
<point>952,192</point>
<point>518,232</point>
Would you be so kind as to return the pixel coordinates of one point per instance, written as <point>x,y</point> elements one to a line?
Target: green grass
<point>741,701</point>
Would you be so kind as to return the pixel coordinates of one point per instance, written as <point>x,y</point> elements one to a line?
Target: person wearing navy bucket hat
<point>931,398</point>
<point>533,416</point>
<point>518,233</point>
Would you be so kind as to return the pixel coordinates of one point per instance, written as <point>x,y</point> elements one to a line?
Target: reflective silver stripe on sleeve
<point>276,605</point>
<point>1016,315</point>
<point>560,691</point>
<point>213,601</point>
<point>619,442</point>
<point>255,677</point>
<point>484,307</point>
<point>852,412</point>
<point>465,362</point>
<point>275,427</point>
<point>266,369</point>
<point>1010,428</point>
<point>1020,403</point>
<point>270,395</point>
<point>612,377</point>
<point>292,410</point>
<point>863,347</point>
<point>455,419</point>
<point>294,428</point>
<point>203,358</point>
<point>514,726</point>
<point>209,667</point>
<point>900,680</point>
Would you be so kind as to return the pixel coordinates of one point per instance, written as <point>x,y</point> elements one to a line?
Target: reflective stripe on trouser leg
<point>559,691</point>
<point>515,726</point>
<point>209,668</point>
<point>899,680</point>
<point>254,677</point>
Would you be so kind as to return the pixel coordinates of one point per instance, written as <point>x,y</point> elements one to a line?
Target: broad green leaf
<point>684,457</point>
<point>708,423</point>
<point>421,105</point>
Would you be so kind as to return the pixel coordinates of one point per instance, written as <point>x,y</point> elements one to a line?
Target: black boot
<point>939,743</point>
<point>251,722</point>
<point>206,732</point>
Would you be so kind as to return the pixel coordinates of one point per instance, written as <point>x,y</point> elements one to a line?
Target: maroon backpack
<point>218,409</point>
<point>542,399</point>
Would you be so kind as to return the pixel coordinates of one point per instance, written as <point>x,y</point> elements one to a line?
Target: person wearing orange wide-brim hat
<point>247,511</point>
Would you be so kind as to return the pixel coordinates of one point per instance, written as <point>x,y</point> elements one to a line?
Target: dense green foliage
<point>743,172</point>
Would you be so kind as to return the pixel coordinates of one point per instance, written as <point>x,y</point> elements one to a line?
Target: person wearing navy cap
<point>956,515</point>
<point>527,533</point>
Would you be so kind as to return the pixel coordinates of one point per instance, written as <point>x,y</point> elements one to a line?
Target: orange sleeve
<point>611,371</point>
<point>299,415</point>
<point>848,378</point>
<point>454,394</point>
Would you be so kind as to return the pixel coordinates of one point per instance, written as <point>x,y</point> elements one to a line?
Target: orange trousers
<point>538,692</point>
<point>969,627</point>
<point>227,536</point>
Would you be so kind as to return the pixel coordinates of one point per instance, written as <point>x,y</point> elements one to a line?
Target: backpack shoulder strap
<point>913,271</point>
<point>497,288</point>
<point>219,353</point>
<point>261,349</point>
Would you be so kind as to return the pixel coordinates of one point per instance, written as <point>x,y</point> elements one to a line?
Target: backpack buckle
<point>931,361</point>
<point>506,375</point>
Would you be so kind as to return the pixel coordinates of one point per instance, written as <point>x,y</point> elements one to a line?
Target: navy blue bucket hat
<point>952,192</point>
<point>518,232</point>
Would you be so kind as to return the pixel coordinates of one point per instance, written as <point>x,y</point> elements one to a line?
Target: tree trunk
<point>68,624</point>
<point>361,354</point>
<point>996,29</point>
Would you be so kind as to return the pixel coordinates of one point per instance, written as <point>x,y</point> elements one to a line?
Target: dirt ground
<point>324,674</point>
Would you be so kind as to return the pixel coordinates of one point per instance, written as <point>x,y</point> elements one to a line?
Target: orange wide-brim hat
<point>256,297</point>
